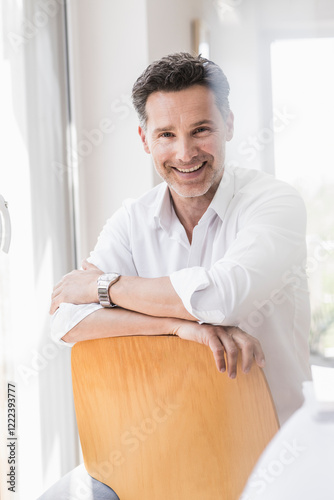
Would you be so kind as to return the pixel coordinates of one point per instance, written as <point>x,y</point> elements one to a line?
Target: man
<point>214,254</point>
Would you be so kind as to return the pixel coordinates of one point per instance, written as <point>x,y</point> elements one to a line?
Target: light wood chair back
<point>157,421</point>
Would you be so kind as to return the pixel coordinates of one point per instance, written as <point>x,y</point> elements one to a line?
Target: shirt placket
<point>194,256</point>
<point>200,234</point>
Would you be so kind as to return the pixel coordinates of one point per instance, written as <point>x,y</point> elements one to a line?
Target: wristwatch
<point>104,282</point>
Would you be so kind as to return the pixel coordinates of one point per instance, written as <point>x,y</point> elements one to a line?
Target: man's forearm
<point>119,323</point>
<point>223,343</point>
<point>153,296</point>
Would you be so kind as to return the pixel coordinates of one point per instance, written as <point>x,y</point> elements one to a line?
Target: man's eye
<point>201,129</point>
<point>167,134</point>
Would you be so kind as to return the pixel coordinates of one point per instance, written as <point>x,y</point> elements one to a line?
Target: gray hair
<point>177,72</point>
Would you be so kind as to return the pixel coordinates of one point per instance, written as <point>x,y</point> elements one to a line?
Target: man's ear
<point>229,126</point>
<point>143,139</point>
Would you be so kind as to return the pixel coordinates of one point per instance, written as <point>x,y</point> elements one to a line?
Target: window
<point>33,123</point>
<point>302,86</point>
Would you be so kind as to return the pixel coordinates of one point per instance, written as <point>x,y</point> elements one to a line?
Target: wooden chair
<point>157,421</point>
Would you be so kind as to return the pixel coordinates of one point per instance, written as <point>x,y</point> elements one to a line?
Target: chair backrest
<point>157,421</point>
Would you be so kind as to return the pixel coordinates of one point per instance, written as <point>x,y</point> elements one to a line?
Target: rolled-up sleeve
<point>270,242</point>
<point>66,317</point>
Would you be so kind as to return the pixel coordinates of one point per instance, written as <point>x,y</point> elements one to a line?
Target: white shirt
<point>245,267</point>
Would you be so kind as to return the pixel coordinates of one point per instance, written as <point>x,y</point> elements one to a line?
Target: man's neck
<point>190,210</point>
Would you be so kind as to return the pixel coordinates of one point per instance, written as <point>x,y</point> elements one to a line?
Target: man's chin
<point>189,192</point>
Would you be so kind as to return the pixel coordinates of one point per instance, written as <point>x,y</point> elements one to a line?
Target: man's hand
<point>224,341</point>
<point>77,287</point>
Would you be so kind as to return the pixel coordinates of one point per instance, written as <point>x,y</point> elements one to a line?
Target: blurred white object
<point>323,385</point>
<point>299,461</point>
<point>5,227</point>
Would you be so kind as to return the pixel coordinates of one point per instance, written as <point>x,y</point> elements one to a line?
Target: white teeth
<point>190,169</point>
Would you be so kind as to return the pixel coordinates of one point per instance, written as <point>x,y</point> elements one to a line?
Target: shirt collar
<point>164,210</point>
<point>223,195</point>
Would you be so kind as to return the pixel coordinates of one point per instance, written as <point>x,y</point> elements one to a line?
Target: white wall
<point>108,50</point>
<point>234,35</point>
<point>169,26</point>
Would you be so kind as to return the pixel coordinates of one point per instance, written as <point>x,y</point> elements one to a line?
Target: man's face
<point>186,136</point>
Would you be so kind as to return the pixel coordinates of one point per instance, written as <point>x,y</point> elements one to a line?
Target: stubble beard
<point>177,188</point>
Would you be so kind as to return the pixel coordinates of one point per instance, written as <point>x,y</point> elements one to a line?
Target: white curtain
<point>35,180</point>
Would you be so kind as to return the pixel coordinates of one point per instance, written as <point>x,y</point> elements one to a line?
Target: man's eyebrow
<point>203,122</point>
<point>170,128</point>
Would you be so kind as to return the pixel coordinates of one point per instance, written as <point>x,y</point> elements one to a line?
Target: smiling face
<point>186,136</point>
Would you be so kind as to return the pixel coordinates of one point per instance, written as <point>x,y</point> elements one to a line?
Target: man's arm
<point>224,343</point>
<point>153,296</point>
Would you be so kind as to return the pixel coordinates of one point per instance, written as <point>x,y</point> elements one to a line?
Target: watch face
<point>108,277</point>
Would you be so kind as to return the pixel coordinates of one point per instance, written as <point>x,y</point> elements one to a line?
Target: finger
<point>58,285</point>
<point>65,279</point>
<point>250,348</point>
<point>246,346</point>
<point>259,355</point>
<point>57,289</point>
<point>218,352</point>
<point>231,354</point>
<point>56,299</point>
<point>53,307</point>
<point>88,266</point>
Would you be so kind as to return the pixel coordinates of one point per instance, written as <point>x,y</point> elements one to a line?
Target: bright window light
<point>302,85</point>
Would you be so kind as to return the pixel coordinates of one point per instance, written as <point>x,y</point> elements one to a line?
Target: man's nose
<point>186,149</point>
